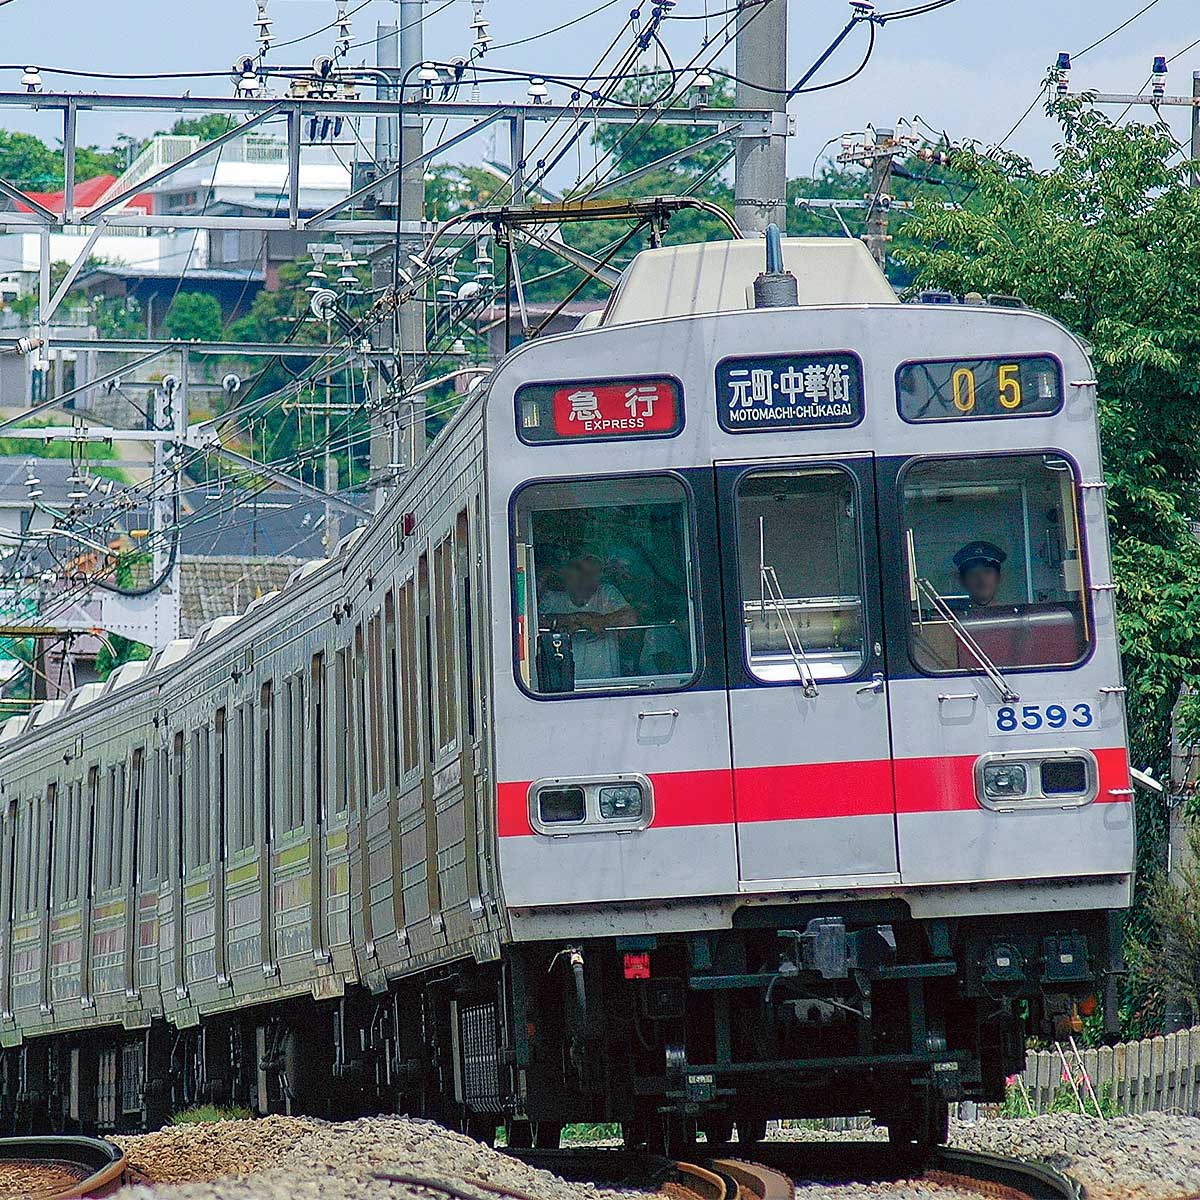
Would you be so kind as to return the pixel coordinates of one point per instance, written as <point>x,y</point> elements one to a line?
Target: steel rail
<point>104,1165</point>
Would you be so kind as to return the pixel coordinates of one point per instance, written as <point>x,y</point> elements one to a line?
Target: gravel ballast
<point>1150,1157</point>
<point>282,1158</point>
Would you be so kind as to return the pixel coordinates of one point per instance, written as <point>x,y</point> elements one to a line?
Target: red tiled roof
<point>87,195</point>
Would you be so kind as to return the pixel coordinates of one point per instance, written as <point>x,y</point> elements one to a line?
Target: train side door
<point>814,798</point>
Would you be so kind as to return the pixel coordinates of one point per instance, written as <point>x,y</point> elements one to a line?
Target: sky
<point>970,69</point>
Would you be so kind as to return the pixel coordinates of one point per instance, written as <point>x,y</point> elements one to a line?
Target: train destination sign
<point>988,387</point>
<point>789,391</point>
<point>603,409</point>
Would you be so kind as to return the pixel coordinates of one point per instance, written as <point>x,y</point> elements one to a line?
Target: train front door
<point>814,797</point>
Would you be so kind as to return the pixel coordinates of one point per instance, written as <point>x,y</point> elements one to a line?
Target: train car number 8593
<point>1030,718</point>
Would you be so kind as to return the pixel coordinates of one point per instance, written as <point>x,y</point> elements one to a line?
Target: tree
<point>194,316</point>
<point>633,146</point>
<point>29,163</point>
<point>205,128</point>
<point>1165,956</point>
<point>1108,241</point>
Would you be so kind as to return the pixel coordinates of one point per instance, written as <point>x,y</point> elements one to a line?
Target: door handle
<point>875,687</point>
<point>662,712</point>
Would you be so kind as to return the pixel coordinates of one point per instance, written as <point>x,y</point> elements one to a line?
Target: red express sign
<point>599,410</point>
<point>607,410</point>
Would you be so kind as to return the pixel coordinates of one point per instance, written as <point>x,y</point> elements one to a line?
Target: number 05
<point>1010,385</point>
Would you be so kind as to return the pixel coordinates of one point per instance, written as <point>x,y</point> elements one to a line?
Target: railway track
<point>57,1168</point>
<point>770,1172</point>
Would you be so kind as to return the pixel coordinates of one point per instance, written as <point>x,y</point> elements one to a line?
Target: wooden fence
<point>1160,1074</point>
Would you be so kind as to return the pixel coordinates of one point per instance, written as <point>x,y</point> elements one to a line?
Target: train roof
<point>710,277</point>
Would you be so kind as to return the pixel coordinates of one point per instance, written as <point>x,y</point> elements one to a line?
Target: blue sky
<point>971,68</point>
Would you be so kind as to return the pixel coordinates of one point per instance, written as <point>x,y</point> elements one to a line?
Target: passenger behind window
<point>592,612</point>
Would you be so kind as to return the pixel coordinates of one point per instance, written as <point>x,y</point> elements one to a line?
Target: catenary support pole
<point>761,183</point>
<point>411,328</point>
<point>1196,128</point>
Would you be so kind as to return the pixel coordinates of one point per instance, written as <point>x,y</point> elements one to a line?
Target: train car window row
<point>261,769</point>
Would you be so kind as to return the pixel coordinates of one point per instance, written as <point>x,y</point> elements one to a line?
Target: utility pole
<point>878,154</point>
<point>760,190</point>
<point>879,202</point>
<point>387,151</point>
<point>1195,127</point>
<point>411,327</point>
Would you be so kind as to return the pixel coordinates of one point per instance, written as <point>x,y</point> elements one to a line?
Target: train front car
<point>810,751</point>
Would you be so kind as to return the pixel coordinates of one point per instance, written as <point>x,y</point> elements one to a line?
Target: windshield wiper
<point>772,594</point>
<point>965,636</point>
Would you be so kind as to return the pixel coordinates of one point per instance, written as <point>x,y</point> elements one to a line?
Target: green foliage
<point>206,128</point>
<point>194,316</point>
<point>1017,1105</point>
<point>117,318</point>
<point>1165,954</point>
<point>593,1132</point>
<point>633,146</point>
<point>209,1114</point>
<point>29,163</point>
<point>1108,241</point>
<point>115,651</point>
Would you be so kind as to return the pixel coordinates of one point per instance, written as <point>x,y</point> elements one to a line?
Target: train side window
<point>800,563</point>
<point>62,855</point>
<point>267,769</point>
<point>296,752</point>
<point>995,563</point>
<point>409,680</point>
<point>26,859</point>
<point>50,821</point>
<point>320,735</point>
<point>445,643</point>
<point>247,759</point>
<point>359,762</point>
<point>466,651</point>
<point>604,585</point>
<point>375,681</point>
<point>342,692</point>
<point>162,806</point>
<point>137,772</point>
<point>393,723</point>
<point>179,798</point>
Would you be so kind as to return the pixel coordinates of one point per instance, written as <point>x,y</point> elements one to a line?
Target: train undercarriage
<point>792,1013</point>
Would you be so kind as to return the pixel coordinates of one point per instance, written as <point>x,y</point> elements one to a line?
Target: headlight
<point>1002,780</point>
<point>621,802</point>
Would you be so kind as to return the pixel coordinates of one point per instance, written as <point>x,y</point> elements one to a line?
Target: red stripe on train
<point>813,791</point>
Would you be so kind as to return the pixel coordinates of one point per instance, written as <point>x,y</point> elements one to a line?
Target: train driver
<point>591,611</point>
<point>979,566</point>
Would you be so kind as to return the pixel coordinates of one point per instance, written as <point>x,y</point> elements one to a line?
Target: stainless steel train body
<point>648,758</point>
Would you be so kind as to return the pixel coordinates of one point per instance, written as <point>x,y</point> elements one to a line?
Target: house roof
<point>224,585</point>
<point>87,195</point>
<point>191,274</point>
<point>274,523</point>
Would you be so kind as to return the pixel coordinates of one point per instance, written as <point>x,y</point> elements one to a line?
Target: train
<point>723,722</point>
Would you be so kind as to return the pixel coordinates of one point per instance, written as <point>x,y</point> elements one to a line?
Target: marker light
<point>1062,71</point>
<point>1158,81</point>
<point>637,966</point>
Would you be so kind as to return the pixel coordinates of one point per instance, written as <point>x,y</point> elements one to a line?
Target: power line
<point>1098,42</point>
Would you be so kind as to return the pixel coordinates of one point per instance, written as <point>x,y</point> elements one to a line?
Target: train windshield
<point>994,563</point>
<point>604,586</point>
<point>801,574</point>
